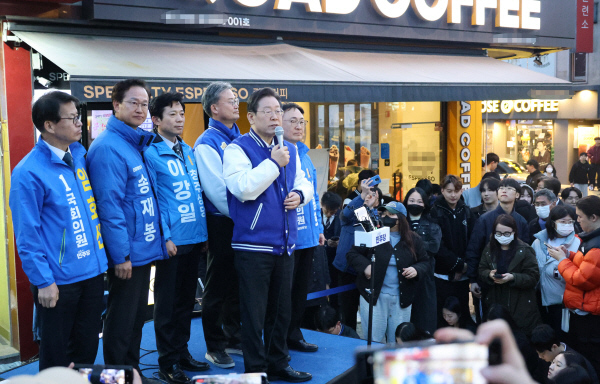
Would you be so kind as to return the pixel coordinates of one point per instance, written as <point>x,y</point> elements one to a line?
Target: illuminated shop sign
<point>519,106</point>
<point>508,13</point>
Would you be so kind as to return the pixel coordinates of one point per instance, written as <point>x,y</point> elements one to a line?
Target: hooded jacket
<point>533,179</point>
<point>580,173</point>
<point>310,224</point>
<point>54,218</point>
<point>178,190</point>
<point>129,213</point>
<point>552,287</point>
<point>518,295</point>
<point>581,272</point>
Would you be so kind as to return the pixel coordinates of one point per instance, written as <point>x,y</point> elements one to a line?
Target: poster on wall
<point>99,120</point>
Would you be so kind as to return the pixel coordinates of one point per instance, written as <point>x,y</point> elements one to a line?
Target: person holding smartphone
<point>509,270</point>
<point>559,231</point>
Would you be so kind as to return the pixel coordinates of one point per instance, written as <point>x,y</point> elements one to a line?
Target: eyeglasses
<point>233,102</point>
<point>505,234</point>
<point>75,118</point>
<point>507,189</point>
<point>269,113</point>
<point>136,104</point>
<point>295,122</point>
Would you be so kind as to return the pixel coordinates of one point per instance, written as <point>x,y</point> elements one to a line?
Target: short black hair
<point>331,200</point>
<point>583,154</point>
<point>543,337</point>
<point>47,108</point>
<point>159,103</point>
<point>508,182</point>
<point>436,189</point>
<point>589,205</point>
<point>489,183</point>
<point>493,175</point>
<point>427,186</point>
<point>567,191</point>
<point>533,162</point>
<point>326,318</point>
<point>409,332</point>
<point>123,86</point>
<point>597,138</point>
<point>492,158</point>
<point>260,94</point>
<point>552,184</point>
<point>365,174</point>
<point>288,106</point>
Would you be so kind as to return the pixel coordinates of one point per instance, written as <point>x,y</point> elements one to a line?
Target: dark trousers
<point>552,315</point>
<point>221,300</point>
<point>584,335</point>
<point>302,272</point>
<point>125,316</point>
<point>265,291</point>
<point>445,289</point>
<point>349,300</point>
<point>595,172</point>
<point>70,331</point>
<point>174,296</point>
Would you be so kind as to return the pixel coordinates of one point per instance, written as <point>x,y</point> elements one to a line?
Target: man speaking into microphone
<point>264,188</point>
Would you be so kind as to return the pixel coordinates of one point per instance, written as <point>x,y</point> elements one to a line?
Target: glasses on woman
<point>505,234</point>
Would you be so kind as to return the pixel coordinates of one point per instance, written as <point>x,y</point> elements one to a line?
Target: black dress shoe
<point>302,346</point>
<point>189,364</point>
<point>174,375</point>
<point>290,375</point>
<point>289,358</point>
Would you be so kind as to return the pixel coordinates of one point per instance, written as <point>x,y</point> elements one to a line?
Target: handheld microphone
<point>279,134</point>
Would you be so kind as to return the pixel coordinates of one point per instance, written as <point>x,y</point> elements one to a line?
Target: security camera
<point>43,81</point>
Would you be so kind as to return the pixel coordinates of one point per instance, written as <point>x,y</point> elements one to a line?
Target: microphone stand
<point>370,327</point>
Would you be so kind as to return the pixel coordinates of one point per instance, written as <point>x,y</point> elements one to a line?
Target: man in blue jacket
<point>172,169</point>
<point>264,190</point>
<point>221,299</point>
<point>58,235</point>
<point>310,228</point>
<point>130,219</point>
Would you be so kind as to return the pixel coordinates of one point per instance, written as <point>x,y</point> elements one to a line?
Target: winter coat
<point>517,295</point>
<point>359,260</point>
<point>581,272</point>
<point>533,179</point>
<point>580,173</point>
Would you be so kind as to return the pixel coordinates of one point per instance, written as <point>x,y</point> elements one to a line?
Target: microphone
<point>279,134</point>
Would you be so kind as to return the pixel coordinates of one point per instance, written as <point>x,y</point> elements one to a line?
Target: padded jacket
<point>581,272</point>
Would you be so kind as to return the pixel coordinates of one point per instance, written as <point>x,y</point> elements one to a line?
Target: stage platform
<point>335,355</point>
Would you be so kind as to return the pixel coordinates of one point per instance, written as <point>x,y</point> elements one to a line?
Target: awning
<point>95,63</point>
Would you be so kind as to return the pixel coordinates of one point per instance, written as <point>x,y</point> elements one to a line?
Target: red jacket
<point>594,154</point>
<point>581,272</point>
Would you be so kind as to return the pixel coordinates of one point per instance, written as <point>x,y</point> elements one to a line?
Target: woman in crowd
<point>550,171</point>
<point>567,359</point>
<point>573,374</point>
<point>581,272</point>
<point>509,269</point>
<point>527,193</point>
<point>349,300</point>
<point>424,309</point>
<point>407,332</point>
<point>453,315</point>
<point>571,196</point>
<point>559,231</point>
<point>399,266</point>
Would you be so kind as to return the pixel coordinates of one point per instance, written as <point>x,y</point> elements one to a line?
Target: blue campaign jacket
<point>261,225</point>
<point>129,214</point>
<point>54,218</point>
<point>210,144</point>
<point>310,223</point>
<point>179,193</point>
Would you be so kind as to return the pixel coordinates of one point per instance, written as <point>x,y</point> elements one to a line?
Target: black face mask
<point>389,221</point>
<point>415,209</point>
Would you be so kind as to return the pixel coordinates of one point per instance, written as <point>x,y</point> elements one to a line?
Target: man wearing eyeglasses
<point>264,190</point>
<point>58,235</point>
<point>310,228</point>
<point>508,192</point>
<point>220,302</point>
<point>130,219</point>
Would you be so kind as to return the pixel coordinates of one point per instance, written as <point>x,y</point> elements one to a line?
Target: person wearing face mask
<point>550,171</point>
<point>509,270</point>
<point>424,309</point>
<point>543,201</point>
<point>399,266</point>
<point>559,231</point>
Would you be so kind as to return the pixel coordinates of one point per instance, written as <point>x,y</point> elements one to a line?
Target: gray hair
<point>212,94</point>
<point>547,193</point>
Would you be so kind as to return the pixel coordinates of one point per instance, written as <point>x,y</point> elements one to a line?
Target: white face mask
<point>543,212</point>
<point>505,240</point>
<point>548,170</point>
<point>564,229</point>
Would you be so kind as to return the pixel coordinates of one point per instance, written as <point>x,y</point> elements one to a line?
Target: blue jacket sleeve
<point>347,217</point>
<point>26,201</point>
<point>108,175</point>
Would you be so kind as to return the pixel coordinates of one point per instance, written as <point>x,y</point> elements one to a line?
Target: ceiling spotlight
<point>43,81</point>
<point>537,61</point>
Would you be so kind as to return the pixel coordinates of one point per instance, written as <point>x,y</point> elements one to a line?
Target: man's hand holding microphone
<point>281,155</point>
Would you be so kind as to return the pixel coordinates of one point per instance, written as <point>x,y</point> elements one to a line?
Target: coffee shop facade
<point>396,87</point>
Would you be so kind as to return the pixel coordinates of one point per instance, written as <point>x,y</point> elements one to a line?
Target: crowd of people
<point>456,258</point>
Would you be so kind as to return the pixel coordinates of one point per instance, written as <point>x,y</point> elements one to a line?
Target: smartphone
<point>106,374</point>
<point>435,363</point>
<point>335,238</point>
<point>498,275</point>
<point>375,180</point>
<point>548,245</point>
<point>233,378</point>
